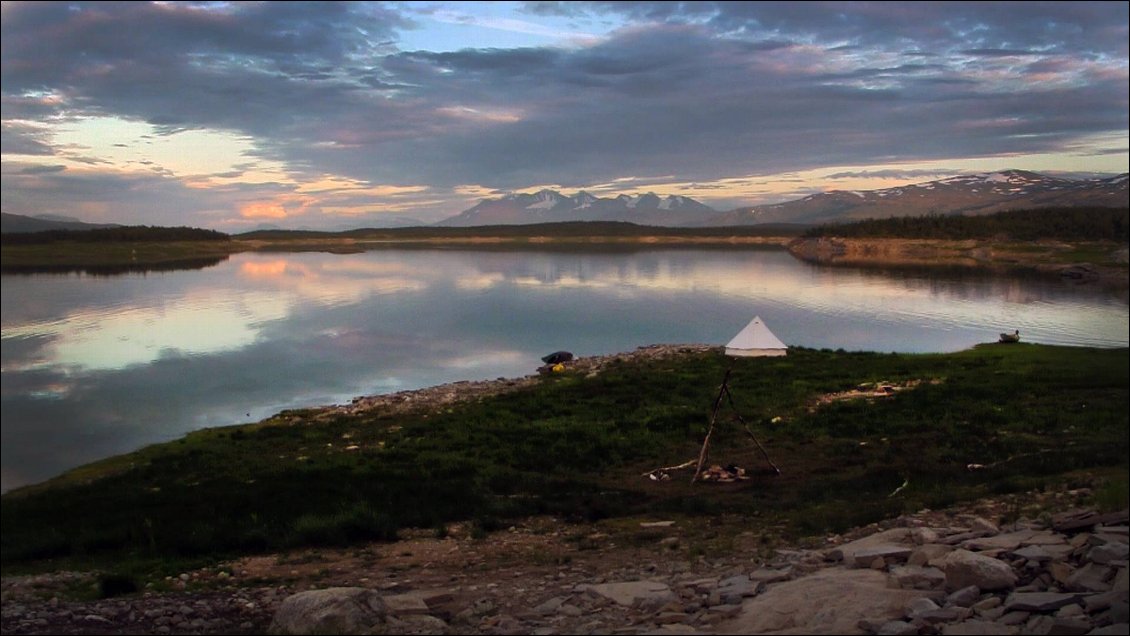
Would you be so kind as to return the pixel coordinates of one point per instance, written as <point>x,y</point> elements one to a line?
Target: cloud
<point>42,169</point>
<point>702,91</point>
<point>892,174</point>
<point>88,38</point>
<point>111,196</point>
<point>24,139</point>
<point>1091,26</point>
<point>636,102</point>
<point>1000,53</point>
<point>263,210</point>
<point>248,67</point>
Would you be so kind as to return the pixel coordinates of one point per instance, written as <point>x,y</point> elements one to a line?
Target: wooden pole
<point>713,416</point>
<point>761,448</point>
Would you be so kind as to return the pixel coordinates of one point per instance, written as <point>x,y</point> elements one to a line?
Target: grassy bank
<point>114,249</point>
<point>577,446</point>
<point>1102,261</point>
<point>115,257</point>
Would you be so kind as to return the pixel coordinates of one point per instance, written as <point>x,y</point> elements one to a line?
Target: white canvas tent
<point>756,340</point>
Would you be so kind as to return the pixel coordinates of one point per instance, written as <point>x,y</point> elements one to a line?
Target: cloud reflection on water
<point>96,367</point>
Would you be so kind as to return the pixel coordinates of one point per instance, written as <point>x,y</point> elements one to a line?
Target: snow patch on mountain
<point>584,200</point>
<point>546,200</point>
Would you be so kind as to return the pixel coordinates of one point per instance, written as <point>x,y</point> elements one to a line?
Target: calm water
<point>97,366</point>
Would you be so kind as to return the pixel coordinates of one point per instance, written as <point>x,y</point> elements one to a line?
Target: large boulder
<point>916,577</point>
<point>831,601</point>
<point>866,557</point>
<point>964,568</point>
<point>646,594</point>
<point>335,610</point>
<point>893,537</point>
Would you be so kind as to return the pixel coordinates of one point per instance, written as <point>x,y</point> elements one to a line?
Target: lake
<point>95,366</point>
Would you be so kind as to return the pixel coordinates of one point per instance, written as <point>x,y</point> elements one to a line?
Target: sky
<point>239,115</point>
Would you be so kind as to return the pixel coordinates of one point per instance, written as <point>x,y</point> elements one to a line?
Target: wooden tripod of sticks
<point>724,390</point>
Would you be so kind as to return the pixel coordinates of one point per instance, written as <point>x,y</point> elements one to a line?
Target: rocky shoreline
<point>441,396</point>
<point>961,571</point>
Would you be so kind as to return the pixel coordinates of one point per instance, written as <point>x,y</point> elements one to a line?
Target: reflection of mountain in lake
<point>202,262</point>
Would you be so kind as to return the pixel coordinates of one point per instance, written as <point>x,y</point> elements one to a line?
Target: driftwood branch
<point>686,464</point>
<point>1009,459</point>
<point>905,483</point>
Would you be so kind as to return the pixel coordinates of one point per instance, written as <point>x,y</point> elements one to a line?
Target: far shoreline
<point>1098,262</point>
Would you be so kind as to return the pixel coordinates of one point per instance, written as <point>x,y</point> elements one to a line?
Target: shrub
<point>111,585</point>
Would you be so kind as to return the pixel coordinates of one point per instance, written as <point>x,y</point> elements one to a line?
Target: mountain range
<point>967,194</point>
<point>549,206</point>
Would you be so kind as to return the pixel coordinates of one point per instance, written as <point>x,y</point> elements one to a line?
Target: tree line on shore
<point>123,234</point>
<point>1072,224</point>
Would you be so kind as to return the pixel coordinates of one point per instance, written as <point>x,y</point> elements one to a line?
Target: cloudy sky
<point>233,115</point>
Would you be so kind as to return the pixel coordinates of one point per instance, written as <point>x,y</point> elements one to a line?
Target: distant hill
<point>380,221</point>
<point>549,206</point>
<point>967,195</point>
<point>18,223</point>
<point>386,221</point>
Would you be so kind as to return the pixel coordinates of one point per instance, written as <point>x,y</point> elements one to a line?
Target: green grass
<point>1095,253</point>
<point>576,447</point>
<point>1100,254</point>
<point>1112,492</point>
